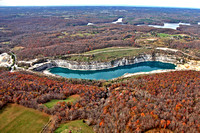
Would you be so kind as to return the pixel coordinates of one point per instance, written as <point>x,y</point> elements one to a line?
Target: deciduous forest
<point>167,100</point>
<point>163,101</point>
<point>39,32</point>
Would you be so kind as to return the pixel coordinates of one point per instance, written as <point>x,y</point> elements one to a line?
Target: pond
<point>120,20</point>
<point>112,72</point>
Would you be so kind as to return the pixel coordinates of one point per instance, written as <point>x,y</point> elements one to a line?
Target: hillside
<point>18,119</point>
<point>166,100</point>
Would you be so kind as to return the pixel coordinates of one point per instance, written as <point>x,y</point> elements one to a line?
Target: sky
<point>160,3</point>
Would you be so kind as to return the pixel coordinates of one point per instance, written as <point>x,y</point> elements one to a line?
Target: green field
<point>70,99</point>
<point>5,42</point>
<point>75,126</point>
<point>164,35</point>
<point>18,119</point>
<point>107,54</point>
<point>109,49</point>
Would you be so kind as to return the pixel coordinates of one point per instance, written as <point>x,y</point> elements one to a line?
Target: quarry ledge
<point>95,65</point>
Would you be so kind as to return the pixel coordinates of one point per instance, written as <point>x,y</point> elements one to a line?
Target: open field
<point>75,126</point>
<point>19,119</point>
<point>111,49</point>
<point>175,35</point>
<point>107,54</point>
<point>70,99</point>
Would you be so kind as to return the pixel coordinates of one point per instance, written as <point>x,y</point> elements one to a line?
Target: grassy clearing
<point>175,35</point>
<point>75,126</point>
<point>109,49</point>
<point>19,119</point>
<point>70,99</point>
<point>162,39</point>
<point>17,48</point>
<point>163,35</point>
<point>6,42</point>
<point>109,54</point>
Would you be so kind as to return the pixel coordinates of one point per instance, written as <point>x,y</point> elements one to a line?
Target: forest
<point>40,32</point>
<point>166,100</point>
<point>163,101</point>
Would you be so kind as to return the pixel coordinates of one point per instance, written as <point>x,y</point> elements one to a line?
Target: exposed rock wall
<point>120,62</point>
<point>106,65</point>
<point>43,66</point>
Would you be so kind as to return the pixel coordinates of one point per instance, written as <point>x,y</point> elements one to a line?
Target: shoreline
<point>179,67</point>
<point>47,72</point>
<point>184,67</point>
<point>127,75</point>
<point>182,63</point>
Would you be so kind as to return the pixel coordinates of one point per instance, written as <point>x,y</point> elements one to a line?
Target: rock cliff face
<point>43,66</point>
<point>106,65</point>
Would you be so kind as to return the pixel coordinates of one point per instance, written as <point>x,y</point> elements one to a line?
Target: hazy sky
<point>163,3</point>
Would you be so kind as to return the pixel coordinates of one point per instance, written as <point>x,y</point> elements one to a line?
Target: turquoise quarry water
<point>113,72</point>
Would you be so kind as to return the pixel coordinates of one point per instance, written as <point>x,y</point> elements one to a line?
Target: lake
<point>168,25</point>
<point>120,20</point>
<point>112,72</point>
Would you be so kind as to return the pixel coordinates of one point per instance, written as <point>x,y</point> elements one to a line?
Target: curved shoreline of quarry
<point>109,58</point>
<point>108,74</point>
<point>115,62</point>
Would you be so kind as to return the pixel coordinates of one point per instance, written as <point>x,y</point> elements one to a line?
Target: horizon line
<point>99,6</point>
